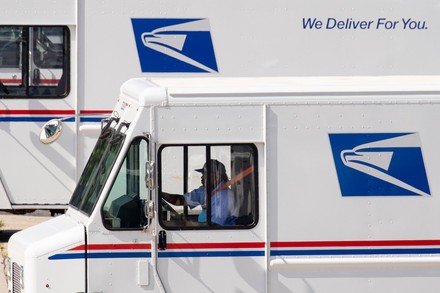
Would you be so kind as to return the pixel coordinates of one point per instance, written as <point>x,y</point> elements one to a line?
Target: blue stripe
<point>165,254</point>
<point>91,119</point>
<point>356,251</point>
<point>101,255</point>
<point>119,255</point>
<point>67,256</point>
<point>162,254</point>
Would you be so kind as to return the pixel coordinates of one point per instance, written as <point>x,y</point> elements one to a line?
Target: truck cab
<point>129,227</point>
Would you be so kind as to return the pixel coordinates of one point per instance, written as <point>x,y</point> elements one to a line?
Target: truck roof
<point>383,89</point>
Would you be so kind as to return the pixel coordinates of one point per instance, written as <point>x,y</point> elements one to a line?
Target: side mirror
<point>51,131</point>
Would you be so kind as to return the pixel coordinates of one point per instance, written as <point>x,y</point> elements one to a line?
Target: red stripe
<point>432,242</point>
<point>19,81</point>
<point>172,246</point>
<point>48,81</point>
<point>9,80</point>
<point>81,247</point>
<point>51,112</point>
<point>216,245</point>
<point>95,111</point>
<point>113,246</point>
<point>37,112</point>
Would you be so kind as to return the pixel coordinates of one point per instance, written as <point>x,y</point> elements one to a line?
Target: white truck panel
<point>302,156</point>
<point>237,125</point>
<point>37,245</point>
<point>45,12</point>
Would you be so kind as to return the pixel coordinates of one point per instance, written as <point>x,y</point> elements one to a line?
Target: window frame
<point>25,59</point>
<point>255,196</point>
<point>127,153</point>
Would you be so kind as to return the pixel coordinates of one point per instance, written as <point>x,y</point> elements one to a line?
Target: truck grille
<point>17,275</point>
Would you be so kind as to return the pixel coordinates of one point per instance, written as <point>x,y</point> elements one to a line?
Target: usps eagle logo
<point>379,164</point>
<point>174,45</point>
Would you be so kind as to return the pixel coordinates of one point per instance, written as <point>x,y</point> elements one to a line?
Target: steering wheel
<point>169,208</point>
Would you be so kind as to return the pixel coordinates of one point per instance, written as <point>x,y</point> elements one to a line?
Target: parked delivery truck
<point>67,59</point>
<point>250,185</point>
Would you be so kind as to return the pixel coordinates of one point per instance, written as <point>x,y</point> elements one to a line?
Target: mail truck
<point>324,185</point>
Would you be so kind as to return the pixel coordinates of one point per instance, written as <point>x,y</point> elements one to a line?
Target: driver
<point>224,211</point>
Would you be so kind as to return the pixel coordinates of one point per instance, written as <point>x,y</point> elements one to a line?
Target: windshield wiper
<point>118,136</point>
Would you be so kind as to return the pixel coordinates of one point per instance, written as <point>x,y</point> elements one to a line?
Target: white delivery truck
<point>251,185</point>
<point>67,59</point>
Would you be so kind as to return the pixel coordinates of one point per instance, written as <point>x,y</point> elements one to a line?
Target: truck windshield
<point>95,173</point>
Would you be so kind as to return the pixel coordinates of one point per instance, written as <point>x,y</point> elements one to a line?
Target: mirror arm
<point>51,130</point>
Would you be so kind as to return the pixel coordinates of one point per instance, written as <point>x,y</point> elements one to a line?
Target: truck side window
<point>34,61</point>
<point>208,186</point>
<point>123,208</point>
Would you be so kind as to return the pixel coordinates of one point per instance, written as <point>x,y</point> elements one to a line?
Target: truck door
<point>118,250</point>
<point>34,88</point>
<point>211,236</point>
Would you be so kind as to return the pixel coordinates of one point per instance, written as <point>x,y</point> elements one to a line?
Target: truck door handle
<point>162,240</point>
<point>36,76</point>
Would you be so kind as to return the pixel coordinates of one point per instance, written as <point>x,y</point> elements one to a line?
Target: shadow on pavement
<point>6,234</point>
